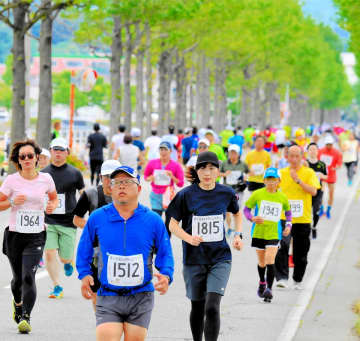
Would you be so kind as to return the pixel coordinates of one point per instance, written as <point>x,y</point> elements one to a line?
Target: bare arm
<point>182,234</point>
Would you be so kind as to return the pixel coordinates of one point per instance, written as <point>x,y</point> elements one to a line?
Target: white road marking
<point>293,320</point>
<point>39,275</point>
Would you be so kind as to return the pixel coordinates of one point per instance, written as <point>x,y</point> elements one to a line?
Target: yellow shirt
<point>300,201</point>
<point>258,162</point>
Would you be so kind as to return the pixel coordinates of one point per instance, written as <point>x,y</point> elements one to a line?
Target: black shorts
<point>262,244</point>
<point>253,186</point>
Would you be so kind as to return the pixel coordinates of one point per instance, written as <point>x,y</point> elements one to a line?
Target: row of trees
<point>250,51</point>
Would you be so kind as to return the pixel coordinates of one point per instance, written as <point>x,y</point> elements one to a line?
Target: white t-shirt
<point>118,140</point>
<point>153,142</point>
<point>129,155</point>
<point>280,137</point>
<point>350,154</point>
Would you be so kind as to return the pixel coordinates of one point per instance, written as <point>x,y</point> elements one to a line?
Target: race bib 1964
<point>270,210</point>
<point>297,208</point>
<point>29,221</point>
<point>210,228</point>
<point>125,271</point>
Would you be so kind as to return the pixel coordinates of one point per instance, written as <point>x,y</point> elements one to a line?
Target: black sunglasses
<point>23,157</point>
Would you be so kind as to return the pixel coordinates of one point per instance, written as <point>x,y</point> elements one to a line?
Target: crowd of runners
<point>203,185</point>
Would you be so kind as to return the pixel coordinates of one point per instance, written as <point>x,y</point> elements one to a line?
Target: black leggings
<point>95,167</point>
<point>316,204</point>
<point>24,252</point>
<point>350,169</point>
<point>205,317</point>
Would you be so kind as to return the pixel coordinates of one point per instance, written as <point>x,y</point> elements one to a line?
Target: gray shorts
<point>135,309</point>
<point>201,279</point>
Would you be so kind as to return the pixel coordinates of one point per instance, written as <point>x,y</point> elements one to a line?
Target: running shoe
<point>69,269</point>
<point>24,326</point>
<point>267,295</point>
<point>350,183</point>
<point>58,292</point>
<point>261,289</point>
<point>321,212</point>
<point>282,283</point>
<point>314,232</point>
<point>291,261</point>
<point>298,285</point>
<point>328,214</point>
<point>17,312</point>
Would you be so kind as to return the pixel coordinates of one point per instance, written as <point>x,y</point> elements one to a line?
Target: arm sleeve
<point>234,204</point>
<point>179,173</point>
<point>251,202</point>
<point>176,208</point>
<point>6,187</point>
<point>85,250</point>
<point>148,170</point>
<point>247,213</point>
<point>105,142</point>
<point>164,261</point>
<point>288,216</point>
<point>52,187</point>
<point>80,183</point>
<point>82,206</point>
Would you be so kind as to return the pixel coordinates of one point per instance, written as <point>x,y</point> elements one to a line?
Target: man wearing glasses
<point>128,234</point>
<point>61,232</point>
<point>91,199</point>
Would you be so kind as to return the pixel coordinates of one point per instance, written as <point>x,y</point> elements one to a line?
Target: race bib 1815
<point>210,228</point>
<point>270,210</point>
<point>125,271</point>
<point>29,221</point>
<point>297,208</point>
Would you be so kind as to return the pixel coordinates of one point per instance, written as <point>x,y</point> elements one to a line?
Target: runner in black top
<point>90,200</point>
<point>206,255</point>
<point>319,168</point>
<point>96,142</point>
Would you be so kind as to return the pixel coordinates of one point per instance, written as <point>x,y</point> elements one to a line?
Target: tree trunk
<point>180,72</point>
<point>205,93</point>
<point>217,114</point>
<point>18,70</point>
<point>198,92</point>
<point>163,74</point>
<point>168,97</point>
<point>247,98</point>
<point>43,125</point>
<point>127,77</point>
<point>191,98</point>
<point>149,82</point>
<point>115,67</point>
<point>139,81</point>
<point>223,98</point>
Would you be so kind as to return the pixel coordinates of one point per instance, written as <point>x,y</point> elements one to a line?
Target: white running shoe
<point>282,283</point>
<point>298,286</point>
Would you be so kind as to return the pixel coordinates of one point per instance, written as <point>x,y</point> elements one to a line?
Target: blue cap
<point>128,170</point>
<point>165,144</point>
<point>272,172</point>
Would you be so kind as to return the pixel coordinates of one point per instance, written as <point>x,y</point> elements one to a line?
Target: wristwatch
<point>12,204</point>
<point>238,234</point>
<point>298,181</point>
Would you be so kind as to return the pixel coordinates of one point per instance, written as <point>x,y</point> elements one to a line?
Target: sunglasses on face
<point>23,157</point>
<point>61,149</point>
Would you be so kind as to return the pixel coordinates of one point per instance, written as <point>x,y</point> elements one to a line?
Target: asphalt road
<point>320,312</point>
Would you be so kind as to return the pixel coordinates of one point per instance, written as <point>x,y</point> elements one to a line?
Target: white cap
<point>135,132</point>
<point>329,140</point>
<point>109,166</point>
<point>204,141</point>
<point>45,152</point>
<point>59,142</point>
<point>235,148</point>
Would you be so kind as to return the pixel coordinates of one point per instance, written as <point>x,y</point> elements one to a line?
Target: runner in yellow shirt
<point>258,160</point>
<point>299,184</point>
